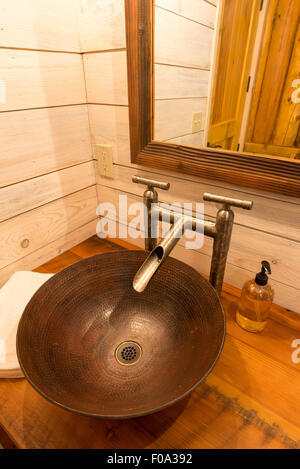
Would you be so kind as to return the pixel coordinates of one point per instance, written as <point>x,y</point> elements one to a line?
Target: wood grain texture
<point>232,47</point>
<point>237,34</point>
<point>35,229</point>
<point>110,125</point>
<point>41,79</point>
<point>27,195</point>
<point>106,79</point>
<point>45,135</point>
<point>45,253</point>
<point>35,24</point>
<point>259,172</point>
<point>102,25</point>
<point>39,141</point>
<point>281,151</point>
<point>6,442</point>
<point>196,10</point>
<point>139,41</point>
<point>234,408</point>
<point>173,32</point>
<point>279,43</point>
<point>287,127</point>
<point>173,117</point>
<point>174,28</point>
<point>179,82</point>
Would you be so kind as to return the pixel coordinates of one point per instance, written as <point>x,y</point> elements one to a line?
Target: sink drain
<point>128,353</point>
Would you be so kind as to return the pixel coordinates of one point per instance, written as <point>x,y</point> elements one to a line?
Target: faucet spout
<point>157,257</point>
<point>220,231</point>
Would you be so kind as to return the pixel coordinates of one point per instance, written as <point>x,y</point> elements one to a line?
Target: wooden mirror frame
<point>266,173</point>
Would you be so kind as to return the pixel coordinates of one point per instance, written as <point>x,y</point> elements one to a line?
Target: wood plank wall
<point>237,34</point>
<point>182,74</point>
<point>270,231</point>
<point>47,179</point>
<point>278,70</point>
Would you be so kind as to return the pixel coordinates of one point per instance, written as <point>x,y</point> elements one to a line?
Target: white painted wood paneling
<point>195,139</point>
<point>48,197</point>
<point>183,52</point>
<point>270,215</point>
<point>182,42</point>
<point>106,77</point>
<point>110,126</point>
<point>180,82</point>
<point>213,2</point>
<point>101,25</point>
<point>197,10</point>
<point>53,249</point>
<point>41,79</point>
<point>39,24</point>
<point>38,141</point>
<point>30,231</point>
<point>26,195</point>
<point>173,117</point>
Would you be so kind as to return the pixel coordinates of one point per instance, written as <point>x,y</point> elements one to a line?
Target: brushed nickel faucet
<point>220,231</point>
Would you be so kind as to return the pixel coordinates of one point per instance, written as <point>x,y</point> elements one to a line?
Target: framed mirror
<point>214,89</point>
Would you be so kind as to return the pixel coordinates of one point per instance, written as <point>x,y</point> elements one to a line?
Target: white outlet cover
<point>104,154</point>
<point>197,122</point>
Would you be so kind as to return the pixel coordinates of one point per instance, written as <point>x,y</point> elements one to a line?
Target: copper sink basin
<point>92,345</point>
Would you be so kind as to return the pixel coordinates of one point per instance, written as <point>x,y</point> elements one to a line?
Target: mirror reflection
<point>227,75</point>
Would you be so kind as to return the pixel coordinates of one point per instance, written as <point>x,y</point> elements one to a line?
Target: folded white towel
<point>14,296</point>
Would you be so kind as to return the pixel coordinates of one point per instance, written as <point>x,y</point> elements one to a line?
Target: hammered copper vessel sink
<point>91,344</point>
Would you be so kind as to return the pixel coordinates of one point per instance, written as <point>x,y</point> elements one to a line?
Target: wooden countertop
<point>250,400</point>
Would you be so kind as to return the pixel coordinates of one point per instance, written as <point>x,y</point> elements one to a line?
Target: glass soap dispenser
<point>255,301</point>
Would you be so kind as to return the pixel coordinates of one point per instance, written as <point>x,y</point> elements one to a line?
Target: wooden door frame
<point>253,72</point>
<point>233,125</point>
<point>214,64</point>
<point>262,172</point>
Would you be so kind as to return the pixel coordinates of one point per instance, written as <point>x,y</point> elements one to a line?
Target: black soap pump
<point>255,301</point>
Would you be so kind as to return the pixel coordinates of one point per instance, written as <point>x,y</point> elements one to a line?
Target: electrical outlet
<point>104,154</point>
<point>197,122</point>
